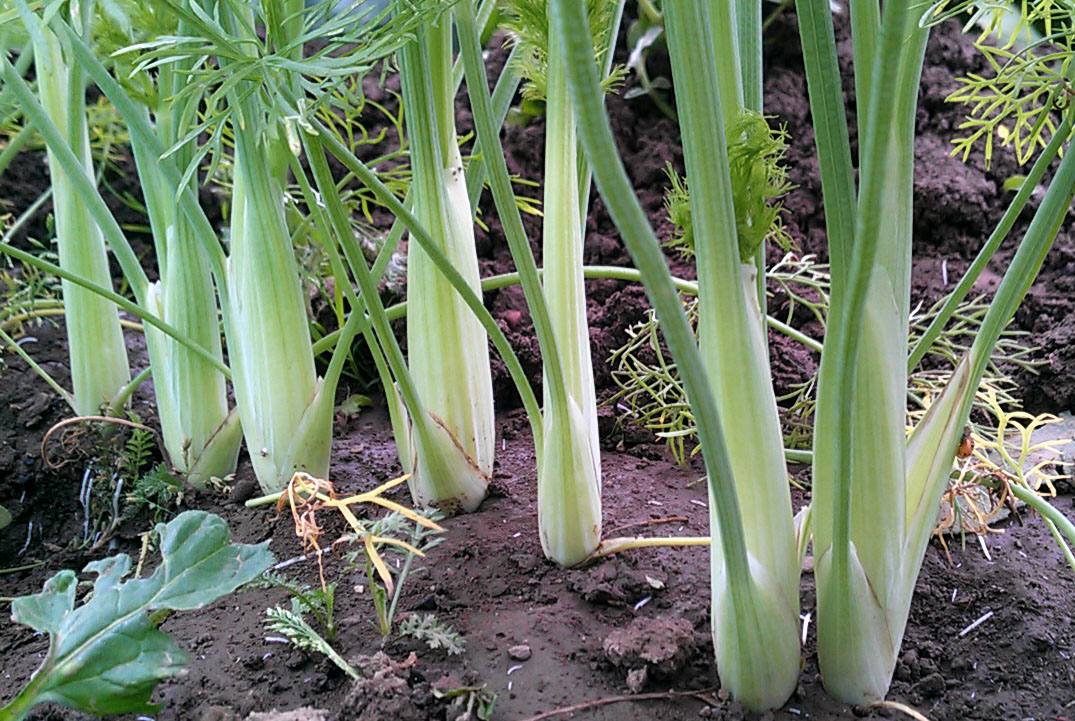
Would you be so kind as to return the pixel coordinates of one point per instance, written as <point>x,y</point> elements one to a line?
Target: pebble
<point>519,653</point>
<point>513,318</point>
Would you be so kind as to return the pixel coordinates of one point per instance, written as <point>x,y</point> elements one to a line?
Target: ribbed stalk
<point>753,614</point>
<point>448,348</point>
<point>200,434</point>
<point>859,461</point>
<point>762,672</point>
<point>276,386</point>
<point>98,355</point>
<point>286,412</point>
<point>569,479</point>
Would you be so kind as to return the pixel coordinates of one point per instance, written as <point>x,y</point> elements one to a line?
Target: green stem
<point>847,327</point>
<point>369,301</point>
<point>591,272</point>
<point>26,215</point>
<point>80,181</point>
<point>830,135</point>
<point>865,29</point>
<point>421,235</point>
<point>139,127</point>
<point>504,199</point>
<point>15,145</point>
<point>784,5</point>
<point>1024,266</point>
<point>120,400</point>
<point>66,395</point>
<point>503,95</point>
<point>17,569</point>
<point>614,186</point>
<point>1058,521</point>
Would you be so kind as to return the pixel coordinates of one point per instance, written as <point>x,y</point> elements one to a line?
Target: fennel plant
<point>452,460</point>
<point>569,483</point>
<point>100,371</point>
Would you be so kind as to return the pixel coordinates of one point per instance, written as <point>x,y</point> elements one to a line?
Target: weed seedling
<point>318,602</point>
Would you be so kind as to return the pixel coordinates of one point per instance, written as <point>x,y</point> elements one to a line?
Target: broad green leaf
<point>44,611</point>
<point>105,656</point>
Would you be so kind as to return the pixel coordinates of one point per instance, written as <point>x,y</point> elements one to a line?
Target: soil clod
<point>657,646</point>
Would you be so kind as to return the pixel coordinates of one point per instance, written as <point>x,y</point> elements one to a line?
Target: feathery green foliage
<point>1030,48</point>
<point>759,182</point>
<point>427,628</point>
<point>292,625</point>
<point>528,23</point>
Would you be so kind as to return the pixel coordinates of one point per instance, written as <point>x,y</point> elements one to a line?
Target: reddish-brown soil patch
<point>489,579</point>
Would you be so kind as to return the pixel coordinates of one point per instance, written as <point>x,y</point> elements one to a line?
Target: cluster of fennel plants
<point>192,71</point>
<point>252,93</point>
<point>875,493</point>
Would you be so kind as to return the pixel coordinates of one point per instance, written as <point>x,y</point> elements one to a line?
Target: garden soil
<point>626,638</point>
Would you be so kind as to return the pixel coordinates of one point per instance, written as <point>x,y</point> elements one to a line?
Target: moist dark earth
<point>640,618</point>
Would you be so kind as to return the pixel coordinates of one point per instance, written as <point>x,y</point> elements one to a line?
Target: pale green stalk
<point>448,348</point>
<point>859,469</point>
<point>752,601</point>
<point>471,298</point>
<point>732,334</point>
<point>285,409</point>
<point>875,494</point>
<point>98,354</point>
<point>569,483</point>
<point>178,340</point>
<point>276,385</point>
<point>201,435</point>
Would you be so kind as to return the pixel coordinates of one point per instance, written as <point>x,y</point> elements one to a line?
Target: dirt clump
<point>657,647</point>
<point>384,691</point>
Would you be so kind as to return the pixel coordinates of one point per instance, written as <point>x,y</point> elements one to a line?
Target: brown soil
<point>640,620</point>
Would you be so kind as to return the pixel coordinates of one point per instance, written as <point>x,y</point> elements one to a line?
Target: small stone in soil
<point>636,679</point>
<point>216,713</point>
<point>519,653</point>
<point>243,490</point>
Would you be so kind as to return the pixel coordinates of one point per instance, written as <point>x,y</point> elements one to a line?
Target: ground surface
<point>489,579</point>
